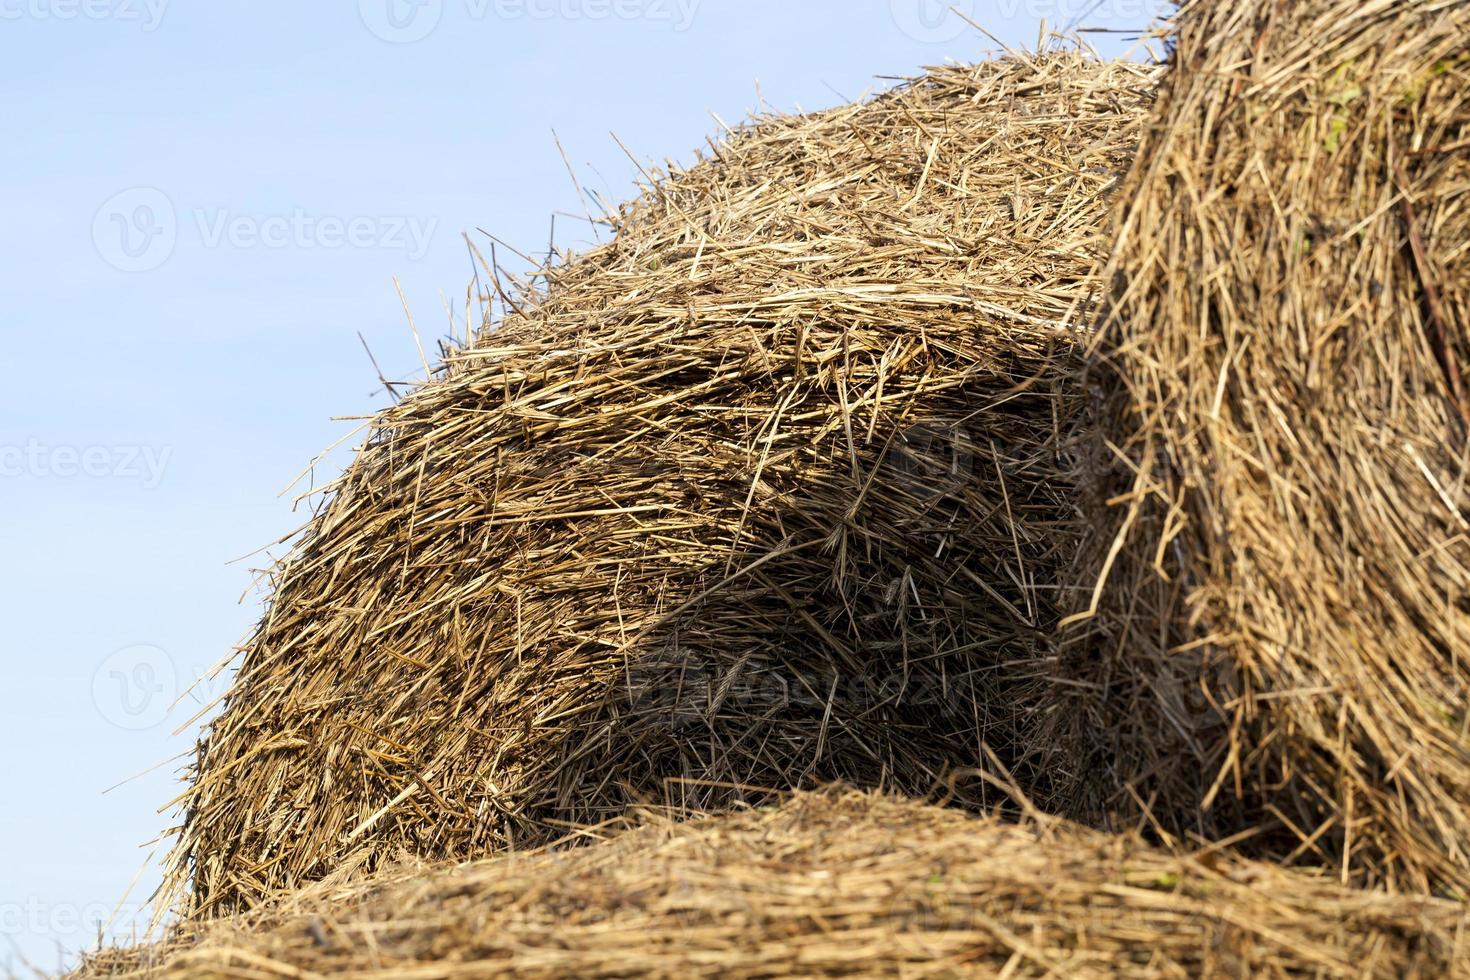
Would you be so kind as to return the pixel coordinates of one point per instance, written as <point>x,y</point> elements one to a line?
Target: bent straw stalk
<point>773,489</point>
<point>833,884</point>
<point>1281,571</point>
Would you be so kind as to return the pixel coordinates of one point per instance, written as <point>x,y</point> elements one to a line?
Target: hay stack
<point>772,489</point>
<point>829,885</point>
<point>1283,619</point>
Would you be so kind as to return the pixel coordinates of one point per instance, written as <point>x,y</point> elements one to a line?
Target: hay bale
<point>772,489</point>
<point>1283,614</point>
<point>831,884</point>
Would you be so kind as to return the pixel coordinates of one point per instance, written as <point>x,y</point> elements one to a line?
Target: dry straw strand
<point>837,883</point>
<point>1282,571</point>
<point>772,489</point>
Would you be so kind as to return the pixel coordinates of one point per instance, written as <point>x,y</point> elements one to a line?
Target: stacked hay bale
<point>772,489</point>
<point>1283,581</point>
<point>829,885</point>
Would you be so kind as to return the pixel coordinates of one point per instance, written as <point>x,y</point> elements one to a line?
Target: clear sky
<point>203,203</point>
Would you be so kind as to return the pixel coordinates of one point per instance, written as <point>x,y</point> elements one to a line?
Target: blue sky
<point>203,204</point>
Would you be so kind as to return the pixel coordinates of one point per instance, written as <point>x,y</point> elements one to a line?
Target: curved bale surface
<point>1283,619</point>
<point>835,884</point>
<point>771,489</point>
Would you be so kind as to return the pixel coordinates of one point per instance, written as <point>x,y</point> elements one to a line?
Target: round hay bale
<point>827,885</point>
<point>773,488</point>
<point>1283,604</point>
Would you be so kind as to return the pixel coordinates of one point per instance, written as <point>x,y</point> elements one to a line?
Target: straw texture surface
<point>774,488</point>
<point>830,884</point>
<point>1282,558</point>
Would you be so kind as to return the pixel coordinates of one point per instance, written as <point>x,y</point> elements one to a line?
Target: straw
<point>1281,570</point>
<point>834,884</point>
<point>775,488</point>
